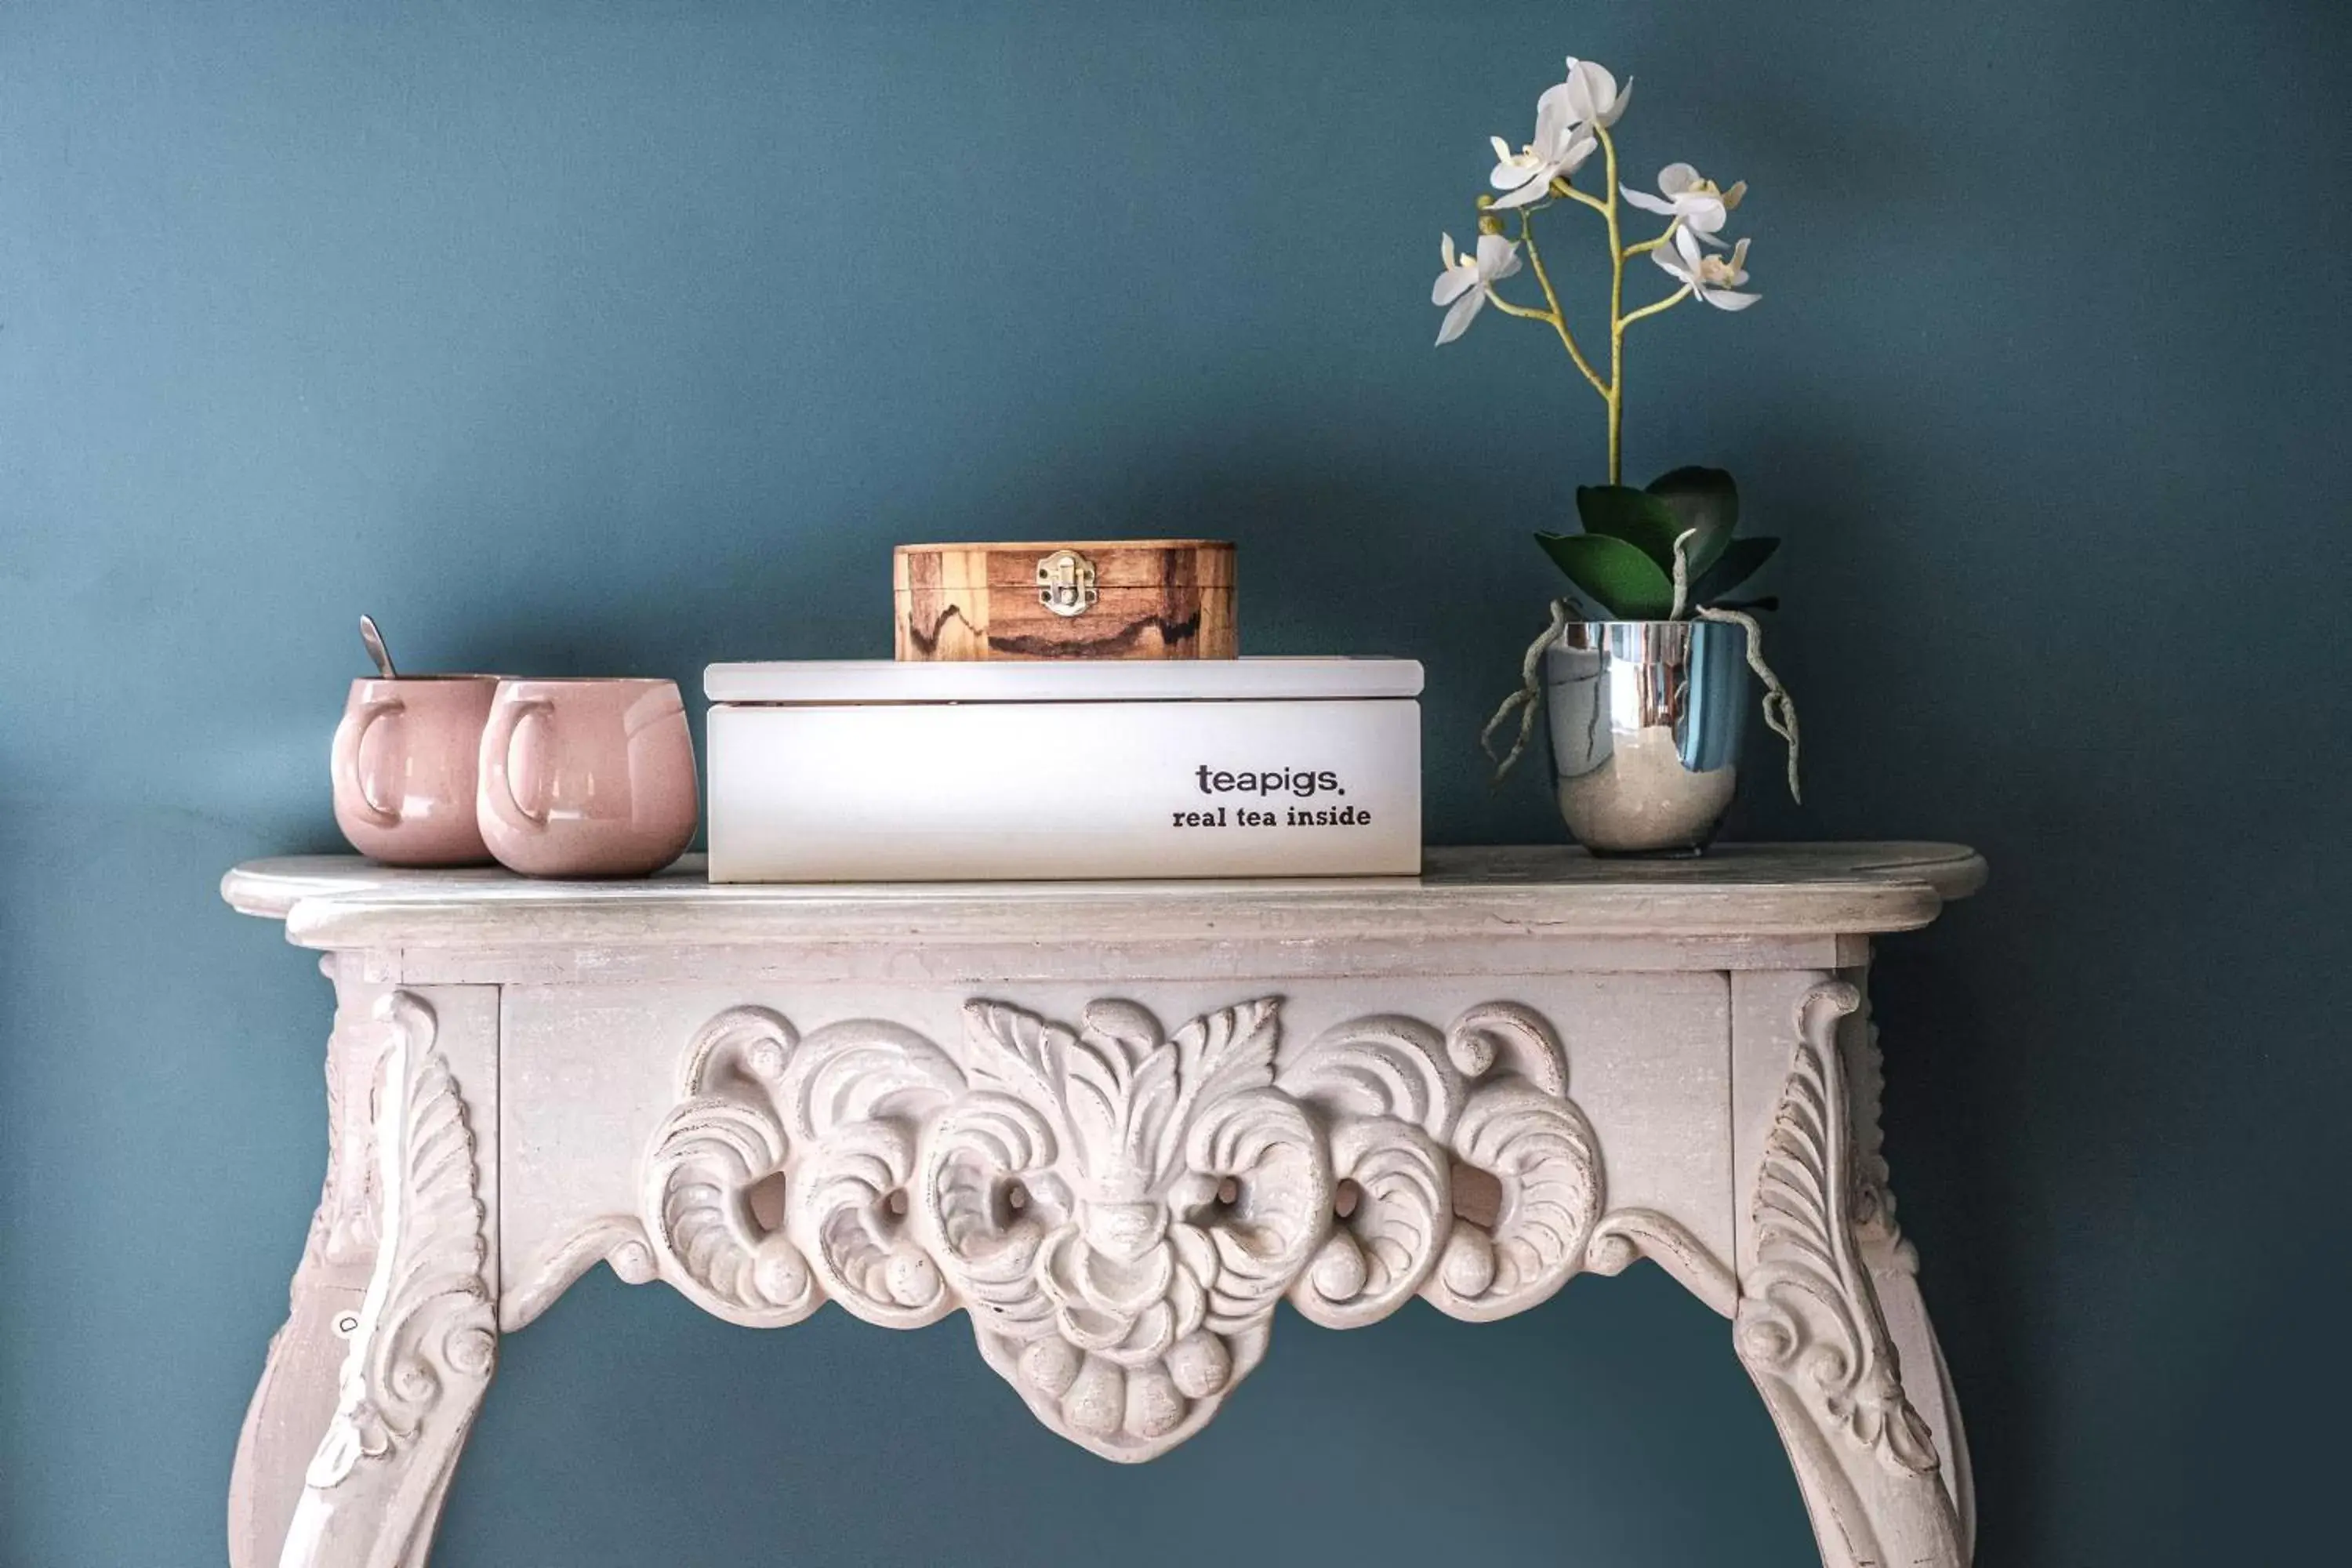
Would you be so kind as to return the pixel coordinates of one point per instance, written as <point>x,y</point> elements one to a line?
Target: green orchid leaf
<point>1615,575</point>
<point>1640,519</point>
<point>1703,498</point>
<point>1737,563</point>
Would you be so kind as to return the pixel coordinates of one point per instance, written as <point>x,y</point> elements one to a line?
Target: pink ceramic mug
<point>403,768</point>
<point>587,778</point>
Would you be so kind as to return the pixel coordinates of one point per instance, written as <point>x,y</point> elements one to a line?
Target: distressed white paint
<point>1113,1123</point>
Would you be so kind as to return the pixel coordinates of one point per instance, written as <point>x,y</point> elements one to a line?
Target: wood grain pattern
<point>1155,598</point>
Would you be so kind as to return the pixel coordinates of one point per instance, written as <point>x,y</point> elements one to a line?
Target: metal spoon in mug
<point>376,650</point>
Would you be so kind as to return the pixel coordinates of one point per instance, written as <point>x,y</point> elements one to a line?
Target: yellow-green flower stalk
<point>1573,120</point>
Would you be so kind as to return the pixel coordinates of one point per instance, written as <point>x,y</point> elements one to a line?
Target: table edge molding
<point>1471,894</point>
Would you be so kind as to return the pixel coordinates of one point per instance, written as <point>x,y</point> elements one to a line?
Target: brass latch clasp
<point>1066,583</point>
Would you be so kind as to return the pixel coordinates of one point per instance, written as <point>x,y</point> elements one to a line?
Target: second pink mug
<point>587,778</point>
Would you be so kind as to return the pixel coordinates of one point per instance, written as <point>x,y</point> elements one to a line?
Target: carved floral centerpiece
<point>1119,1207</point>
<point>1645,759</point>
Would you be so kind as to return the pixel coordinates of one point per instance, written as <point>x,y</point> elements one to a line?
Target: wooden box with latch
<point>1130,598</point>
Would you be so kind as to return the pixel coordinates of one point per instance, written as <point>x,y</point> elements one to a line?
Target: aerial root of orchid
<point>1573,120</point>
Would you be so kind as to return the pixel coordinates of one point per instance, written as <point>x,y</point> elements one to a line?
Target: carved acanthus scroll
<point>424,1340</point>
<point>1118,1207</point>
<point>1810,1327</point>
<point>343,1227</point>
<point>1808,1308</point>
<point>1405,1106</point>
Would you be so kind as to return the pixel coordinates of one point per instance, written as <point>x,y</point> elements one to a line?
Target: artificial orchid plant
<point>1666,552</point>
<point>1626,562</point>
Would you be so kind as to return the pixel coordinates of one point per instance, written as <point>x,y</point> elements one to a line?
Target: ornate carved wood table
<point>1114,1123</point>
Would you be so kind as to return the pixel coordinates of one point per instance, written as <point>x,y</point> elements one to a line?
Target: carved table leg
<point>1893,1265</point>
<point>1811,1328</point>
<point>373,1382</point>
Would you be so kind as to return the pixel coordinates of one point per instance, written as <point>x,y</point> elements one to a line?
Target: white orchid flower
<point>1562,144</point>
<point>1467,281</point>
<point>1592,94</point>
<point>1714,278</point>
<point>1701,204</point>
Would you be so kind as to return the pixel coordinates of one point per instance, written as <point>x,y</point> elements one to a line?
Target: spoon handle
<point>376,650</point>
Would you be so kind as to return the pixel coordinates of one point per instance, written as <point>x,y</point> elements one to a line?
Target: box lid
<point>1063,680</point>
<point>1155,563</point>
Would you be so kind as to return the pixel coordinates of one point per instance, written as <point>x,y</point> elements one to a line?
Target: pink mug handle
<point>497,765</point>
<point>348,735</point>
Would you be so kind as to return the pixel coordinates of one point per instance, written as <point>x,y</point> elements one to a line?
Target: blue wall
<point>628,337</point>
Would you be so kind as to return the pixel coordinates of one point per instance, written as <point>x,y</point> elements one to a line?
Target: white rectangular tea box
<point>884,771</point>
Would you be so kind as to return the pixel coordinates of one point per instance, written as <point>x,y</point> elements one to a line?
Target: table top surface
<point>341,900</point>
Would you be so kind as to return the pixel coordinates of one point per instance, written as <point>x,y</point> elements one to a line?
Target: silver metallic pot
<point>1647,719</point>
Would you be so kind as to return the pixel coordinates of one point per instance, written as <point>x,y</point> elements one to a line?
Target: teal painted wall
<point>600,337</point>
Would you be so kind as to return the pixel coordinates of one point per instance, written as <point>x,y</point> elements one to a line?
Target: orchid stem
<point>1612,391</point>
<point>1525,312</point>
<point>1615,394</point>
<point>1668,303</point>
<point>1558,317</point>
<point>1645,246</point>
<point>1562,188</point>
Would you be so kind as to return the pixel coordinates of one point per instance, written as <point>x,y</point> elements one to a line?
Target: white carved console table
<point>1114,1123</point>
